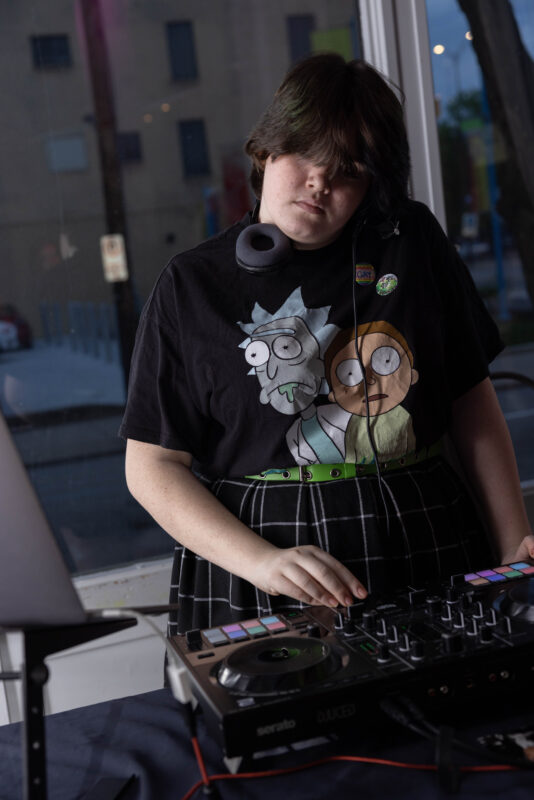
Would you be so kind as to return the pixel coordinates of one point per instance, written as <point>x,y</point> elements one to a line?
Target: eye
<point>257,353</point>
<point>385,360</point>
<point>287,347</point>
<point>349,372</point>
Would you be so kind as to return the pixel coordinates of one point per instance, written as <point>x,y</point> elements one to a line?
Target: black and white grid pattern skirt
<point>431,531</point>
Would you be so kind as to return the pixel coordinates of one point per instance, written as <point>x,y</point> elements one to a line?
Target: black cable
<point>405,711</point>
<point>364,379</point>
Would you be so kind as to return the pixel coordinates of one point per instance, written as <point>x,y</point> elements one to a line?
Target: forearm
<point>161,480</point>
<point>482,440</point>
<point>191,514</point>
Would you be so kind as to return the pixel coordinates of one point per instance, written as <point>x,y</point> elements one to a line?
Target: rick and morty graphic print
<point>298,359</point>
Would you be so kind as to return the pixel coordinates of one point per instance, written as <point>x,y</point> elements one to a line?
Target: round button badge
<point>365,274</point>
<point>387,284</point>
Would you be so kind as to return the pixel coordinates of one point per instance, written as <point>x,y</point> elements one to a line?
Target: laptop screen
<point>36,589</point>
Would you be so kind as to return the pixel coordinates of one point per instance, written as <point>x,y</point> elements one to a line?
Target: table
<point>146,736</point>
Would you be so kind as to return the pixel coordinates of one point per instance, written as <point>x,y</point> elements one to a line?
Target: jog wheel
<point>280,665</point>
<point>518,601</point>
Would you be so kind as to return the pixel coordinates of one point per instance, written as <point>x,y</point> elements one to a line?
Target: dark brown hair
<point>341,114</point>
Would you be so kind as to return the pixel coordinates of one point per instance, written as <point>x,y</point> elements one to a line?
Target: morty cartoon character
<point>388,364</point>
<point>284,351</point>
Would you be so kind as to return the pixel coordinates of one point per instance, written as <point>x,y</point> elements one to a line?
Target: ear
<point>331,397</point>
<point>415,377</point>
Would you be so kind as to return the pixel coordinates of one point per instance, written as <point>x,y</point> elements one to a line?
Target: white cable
<point>177,673</point>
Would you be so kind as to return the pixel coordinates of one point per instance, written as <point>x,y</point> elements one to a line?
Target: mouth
<point>311,208</point>
<point>376,397</point>
<point>289,389</point>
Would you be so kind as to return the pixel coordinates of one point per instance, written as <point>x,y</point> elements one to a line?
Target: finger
<point>526,548</point>
<point>344,581</point>
<point>303,582</point>
<point>318,579</point>
<point>297,583</point>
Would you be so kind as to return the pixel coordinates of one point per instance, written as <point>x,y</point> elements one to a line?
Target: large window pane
<point>125,119</point>
<point>483,78</point>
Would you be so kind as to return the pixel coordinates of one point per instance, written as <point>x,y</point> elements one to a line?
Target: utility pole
<point>106,131</point>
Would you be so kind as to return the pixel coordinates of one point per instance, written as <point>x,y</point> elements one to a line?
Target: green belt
<point>333,472</point>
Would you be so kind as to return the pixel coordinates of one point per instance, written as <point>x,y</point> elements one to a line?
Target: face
<point>307,205</point>
<point>285,356</point>
<point>388,372</point>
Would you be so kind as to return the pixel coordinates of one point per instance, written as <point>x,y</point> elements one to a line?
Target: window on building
<point>129,147</point>
<point>299,31</point>
<point>51,52</point>
<point>181,41</point>
<point>66,153</point>
<point>195,156</point>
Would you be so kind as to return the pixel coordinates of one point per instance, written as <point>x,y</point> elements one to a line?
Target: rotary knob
<point>472,627</point>
<point>491,617</point>
<point>433,604</point>
<point>339,621</point>
<point>459,620</point>
<point>393,634</point>
<point>486,635</point>
<point>381,626</point>
<point>383,654</point>
<point>313,630</point>
<point>369,619</point>
<point>478,610</point>
<point>452,642</point>
<point>417,650</point>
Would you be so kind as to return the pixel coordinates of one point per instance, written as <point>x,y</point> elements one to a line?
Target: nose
<point>370,377</point>
<point>272,367</point>
<point>318,180</point>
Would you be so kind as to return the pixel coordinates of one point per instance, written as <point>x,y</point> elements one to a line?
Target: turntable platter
<point>278,665</point>
<point>518,601</point>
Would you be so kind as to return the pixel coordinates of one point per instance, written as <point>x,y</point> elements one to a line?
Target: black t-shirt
<point>251,372</point>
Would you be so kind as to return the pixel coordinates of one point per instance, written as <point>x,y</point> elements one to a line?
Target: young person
<point>285,426</point>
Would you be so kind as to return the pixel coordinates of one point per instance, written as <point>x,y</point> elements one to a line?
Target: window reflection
<point>122,146</point>
<point>489,197</point>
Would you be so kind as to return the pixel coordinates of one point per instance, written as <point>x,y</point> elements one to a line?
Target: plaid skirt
<point>431,531</point>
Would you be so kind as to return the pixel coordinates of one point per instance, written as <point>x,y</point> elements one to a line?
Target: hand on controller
<point>310,575</point>
<point>525,551</point>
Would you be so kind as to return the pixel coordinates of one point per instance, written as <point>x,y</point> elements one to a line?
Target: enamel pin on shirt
<point>364,274</point>
<point>387,284</point>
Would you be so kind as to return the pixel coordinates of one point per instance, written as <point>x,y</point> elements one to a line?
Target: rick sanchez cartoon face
<point>285,356</point>
<point>285,351</point>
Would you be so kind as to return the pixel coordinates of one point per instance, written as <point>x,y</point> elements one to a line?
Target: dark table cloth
<point>146,736</point>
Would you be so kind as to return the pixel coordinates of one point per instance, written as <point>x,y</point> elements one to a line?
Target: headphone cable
<point>370,437</point>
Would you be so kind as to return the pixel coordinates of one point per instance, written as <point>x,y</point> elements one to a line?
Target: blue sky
<point>457,68</point>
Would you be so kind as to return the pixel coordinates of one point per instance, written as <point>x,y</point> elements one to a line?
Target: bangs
<point>340,115</point>
<point>328,135</point>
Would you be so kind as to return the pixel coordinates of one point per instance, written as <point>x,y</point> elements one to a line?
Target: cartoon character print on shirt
<point>388,365</point>
<point>285,351</point>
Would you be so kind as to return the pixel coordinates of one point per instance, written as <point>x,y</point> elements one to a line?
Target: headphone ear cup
<point>261,249</point>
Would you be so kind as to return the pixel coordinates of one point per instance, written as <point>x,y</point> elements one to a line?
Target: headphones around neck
<point>262,249</point>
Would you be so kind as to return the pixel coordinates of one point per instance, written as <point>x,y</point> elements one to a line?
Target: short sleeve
<point>161,407</point>
<point>471,337</point>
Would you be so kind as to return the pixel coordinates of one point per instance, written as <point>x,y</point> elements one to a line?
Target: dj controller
<point>290,677</point>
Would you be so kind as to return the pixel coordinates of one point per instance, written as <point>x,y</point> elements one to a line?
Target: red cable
<point>360,759</point>
<point>200,761</point>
